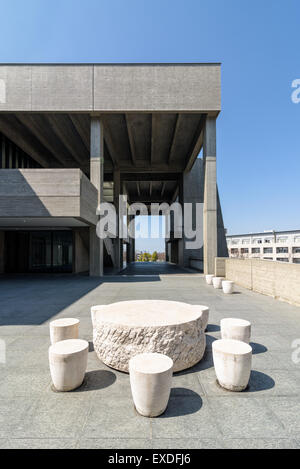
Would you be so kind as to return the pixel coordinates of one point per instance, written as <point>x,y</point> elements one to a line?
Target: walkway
<point>101,414</point>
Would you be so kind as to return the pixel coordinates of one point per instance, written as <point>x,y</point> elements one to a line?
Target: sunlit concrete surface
<point>100,414</point>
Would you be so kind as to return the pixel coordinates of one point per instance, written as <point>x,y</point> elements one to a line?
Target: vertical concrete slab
<point>117,241</point>
<point>210,237</point>
<point>96,176</point>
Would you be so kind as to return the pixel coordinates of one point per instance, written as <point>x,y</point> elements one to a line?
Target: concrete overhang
<point>153,118</point>
<point>111,88</point>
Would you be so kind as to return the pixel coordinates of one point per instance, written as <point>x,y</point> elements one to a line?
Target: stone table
<point>124,329</point>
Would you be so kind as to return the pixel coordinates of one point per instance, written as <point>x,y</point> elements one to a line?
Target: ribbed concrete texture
<point>100,414</point>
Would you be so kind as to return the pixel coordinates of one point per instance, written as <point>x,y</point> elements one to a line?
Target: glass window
<point>284,250</point>
<point>268,250</point>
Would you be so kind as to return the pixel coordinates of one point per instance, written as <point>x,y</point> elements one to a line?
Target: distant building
<point>282,246</point>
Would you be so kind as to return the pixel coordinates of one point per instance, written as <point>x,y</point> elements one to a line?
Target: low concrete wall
<point>278,279</point>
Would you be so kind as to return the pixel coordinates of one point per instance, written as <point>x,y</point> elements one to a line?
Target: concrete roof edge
<point>135,64</point>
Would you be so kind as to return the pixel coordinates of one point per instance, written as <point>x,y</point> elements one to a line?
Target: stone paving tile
<point>261,443</point>
<point>246,418</point>
<point>287,409</point>
<point>184,418</point>
<point>54,418</point>
<point>22,382</point>
<point>187,443</point>
<point>114,443</point>
<point>114,418</point>
<point>39,443</point>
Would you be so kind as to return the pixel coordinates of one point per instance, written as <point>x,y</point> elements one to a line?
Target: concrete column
<point>181,241</point>
<point>117,241</point>
<point>96,177</point>
<point>210,242</point>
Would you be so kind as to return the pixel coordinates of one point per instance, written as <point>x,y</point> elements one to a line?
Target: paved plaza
<point>100,414</point>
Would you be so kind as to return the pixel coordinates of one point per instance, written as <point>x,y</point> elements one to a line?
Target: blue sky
<point>256,41</point>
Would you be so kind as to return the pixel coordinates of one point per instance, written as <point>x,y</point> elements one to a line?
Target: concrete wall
<point>277,279</point>
<point>193,192</point>
<point>109,87</point>
<point>47,193</point>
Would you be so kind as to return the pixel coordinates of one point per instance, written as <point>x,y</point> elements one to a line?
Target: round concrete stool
<point>232,362</point>
<point>64,329</point>
<point>227,286</point>
<point>236,329</point>
<point>209,279</point>
<point>217,282</point>
<point>68,362</point>
<point>150,380</point>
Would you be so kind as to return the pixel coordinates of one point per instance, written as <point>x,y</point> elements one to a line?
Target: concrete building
<point>283,246</point>
<point>75,135</point>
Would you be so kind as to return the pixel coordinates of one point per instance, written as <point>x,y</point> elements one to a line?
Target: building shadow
<point>182,401</point>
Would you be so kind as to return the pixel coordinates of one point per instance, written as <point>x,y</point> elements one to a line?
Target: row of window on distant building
<point>288,253</point>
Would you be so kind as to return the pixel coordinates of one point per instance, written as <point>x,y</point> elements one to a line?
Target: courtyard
<point>100,414</point>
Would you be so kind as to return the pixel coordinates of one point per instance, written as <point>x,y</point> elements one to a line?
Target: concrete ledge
<point>276,279</point>
<point>47,193</point>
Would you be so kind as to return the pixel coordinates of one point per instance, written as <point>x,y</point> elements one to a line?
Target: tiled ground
<point>100,414</point>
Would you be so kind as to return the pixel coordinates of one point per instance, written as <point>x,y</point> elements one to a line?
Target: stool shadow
<point>212,328</point>
<point>258,348</point>
<point>259,382</point>
<point>183,401</point>
<point>91,347</point>
<point>98,379</point>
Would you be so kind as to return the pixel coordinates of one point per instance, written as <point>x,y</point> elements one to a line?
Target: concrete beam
<point>196,145</point>
<point>82,124</point>
<point>65,130</point>
<point>17,133</point>
<point>37,124</point>
<point>210,239</point>
<point>131,138</point>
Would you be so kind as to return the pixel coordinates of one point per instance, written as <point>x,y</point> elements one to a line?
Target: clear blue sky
<point>257,42</point>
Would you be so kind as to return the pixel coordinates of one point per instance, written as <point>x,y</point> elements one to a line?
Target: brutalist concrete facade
<point>91,132</point>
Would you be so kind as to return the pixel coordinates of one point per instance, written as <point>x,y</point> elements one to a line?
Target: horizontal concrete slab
<point>111,87</point>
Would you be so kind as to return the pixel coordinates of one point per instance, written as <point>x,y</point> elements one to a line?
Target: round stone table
<point>128,328</point>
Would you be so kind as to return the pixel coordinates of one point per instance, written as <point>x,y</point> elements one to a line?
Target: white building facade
<point>281,246</point>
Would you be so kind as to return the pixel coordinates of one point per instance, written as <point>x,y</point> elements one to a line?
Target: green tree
<point>154,257</point>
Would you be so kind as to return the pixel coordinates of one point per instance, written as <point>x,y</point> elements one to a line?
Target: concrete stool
<point>236,329</point>
<point>209,279</point>
<point>150,380</point>
<point>227,286</point>
<point>64,329</point>
<point>232,362</point>
<point>217,282</point>
<point>68,362</point>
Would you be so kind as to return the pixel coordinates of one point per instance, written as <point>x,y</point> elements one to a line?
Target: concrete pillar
<point>210,242</point>
<point>131,245</point>
<point>96,177</point>
<point>117,241</point>
<point>181,241</point>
